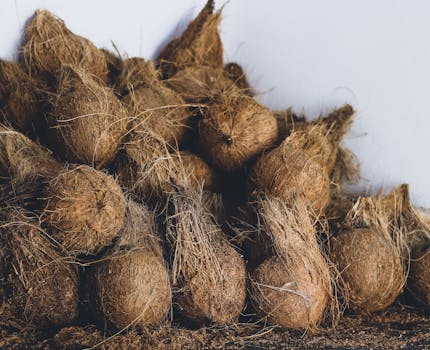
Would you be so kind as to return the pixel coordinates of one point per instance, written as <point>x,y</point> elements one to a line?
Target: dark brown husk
<point>201,84</point>
<point>85,209</point>
<point>24,163</point>
<point>370,255</point>
<point>300,167</point>
<point>209,273</point>
<point>234,130</point>
<point>136,72</point>
<point>88,118</point>
<point>41,283</point>
<point>237,75</point>
<point>130,286</point>
<point>418,283</point>
<point>115,65</point>
<point>153,108</point>
<point>199,44</point>
<point>293,288</point>
<point>49,44</point>
<point>287,122</point>
<point>19,105</point>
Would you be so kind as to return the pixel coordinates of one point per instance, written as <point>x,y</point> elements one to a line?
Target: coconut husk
<point>24,163</point>
<point>155,109</point>
<point>237,75</point>
<point>19,105</point>
<point>300,166</point>
<point>208,272</point>
<point>151,169</point>
<point>84,208</point>
<point>40,281</point>
<point>234,130</point>
<point>115,65</point>
<point>292,288</point>
<point>418,284</point>
<point>49,44</point>
<point>136,72</point>
<point>287,122</point>
<point>199,44</point>
<point>88,119</point>
<point>369,254</point>
<point>201,84</point>
<point>130,286</point>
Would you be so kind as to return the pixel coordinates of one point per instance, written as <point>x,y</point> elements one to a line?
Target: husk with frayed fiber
<point>237,75</point>
<point>84,208</point>
<point>201,84</point>
<point>287,122</point>
<point>136,72</point>
<point>130,286</point>
<point>208,271</point>
<point>88,119</point>
<point>49,44</point>
<point>301,165</point>
<point>115,65</point>
<point>199,44</point>
<point>153,107</point>
<point>19,105</point>
<point>40,281</point>
<point>418,283</point>
<point>151,169</point>
<point>369,253</point>
<point>234,130</point>
<point>293,288</point>
<point>23,163</point>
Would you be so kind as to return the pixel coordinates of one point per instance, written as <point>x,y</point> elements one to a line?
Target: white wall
<point>309,54</point>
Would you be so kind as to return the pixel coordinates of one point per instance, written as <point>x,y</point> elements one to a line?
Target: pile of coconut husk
<point>139,194</point>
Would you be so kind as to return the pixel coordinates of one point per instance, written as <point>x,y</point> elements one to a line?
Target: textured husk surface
<point>234,130</point>
<point>40,282</point>
<point>88,119</point>
<point>207,271</point>
<point>49,44</point>
<point>199,44</point>
<point>301,165</point>
<point>292,288</point>
<point>84,208</point>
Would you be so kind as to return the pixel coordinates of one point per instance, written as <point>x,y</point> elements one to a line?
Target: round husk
<point>155,171</point>
<point>130,288</point>
<point>85,207</point>
<point>42,283</point>
<point>49,44</point>
<point>288,296</point>
<point>370,268</point>
<point>19,104</point>
<point>419,279</point>
<point>88,118</point>
<point>156,111</point>
<point>300,166</point>
<point>209,273</point>
<point>201,84</point>
<point>199,44</point>
<point>236,129</point>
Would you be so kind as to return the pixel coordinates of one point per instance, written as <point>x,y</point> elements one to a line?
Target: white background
<point>309,54</point>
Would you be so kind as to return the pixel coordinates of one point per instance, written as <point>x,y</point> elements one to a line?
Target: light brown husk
<point>49,44</point>
<point>234,130</point>
<point>293,288</point>
<point>199,44</point>
<point>130,286</point>
<point>369,254</point>
<point>41,282</point>
<point>300,167</point>
<point>85,209</point>
<point>88,118</point>
<point>209,272</point>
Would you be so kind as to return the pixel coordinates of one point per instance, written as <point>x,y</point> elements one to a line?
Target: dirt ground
<point>397,328</point>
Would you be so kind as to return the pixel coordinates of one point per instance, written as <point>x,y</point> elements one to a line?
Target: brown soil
<point>398,327</point>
